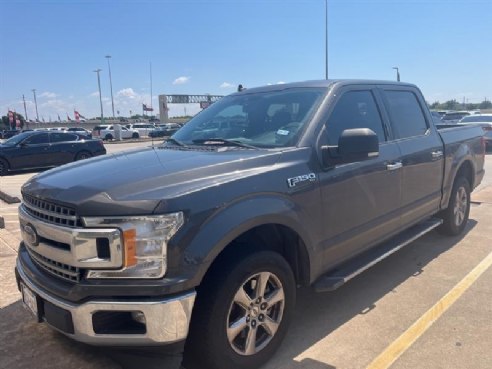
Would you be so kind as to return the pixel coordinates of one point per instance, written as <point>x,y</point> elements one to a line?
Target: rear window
<point>407,117</point>
<point>63,137</point>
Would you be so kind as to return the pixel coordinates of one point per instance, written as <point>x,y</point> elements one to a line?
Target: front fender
<point>231,221</point>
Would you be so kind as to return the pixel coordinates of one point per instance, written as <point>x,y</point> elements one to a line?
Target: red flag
<point>145,108</point>
<point>77,116</point>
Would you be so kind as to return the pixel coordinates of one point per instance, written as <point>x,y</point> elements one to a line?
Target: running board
<point>336,278</point>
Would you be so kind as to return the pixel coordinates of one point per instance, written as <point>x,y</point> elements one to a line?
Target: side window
<point>37,139</point>
<point>62,137</point>
<point>405,113</point>
<point>355,109</point>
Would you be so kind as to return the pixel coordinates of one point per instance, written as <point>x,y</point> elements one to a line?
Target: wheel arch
<point>247,227</point>
<point>466,169</point>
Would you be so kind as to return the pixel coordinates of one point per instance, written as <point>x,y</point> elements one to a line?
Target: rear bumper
<point>166,319</point>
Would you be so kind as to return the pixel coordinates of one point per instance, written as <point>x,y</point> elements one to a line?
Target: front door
<point>33,152</point>
<point>361,200</point>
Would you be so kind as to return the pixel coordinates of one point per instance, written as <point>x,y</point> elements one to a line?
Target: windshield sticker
<point>283,132</point>
<point>294,181</point>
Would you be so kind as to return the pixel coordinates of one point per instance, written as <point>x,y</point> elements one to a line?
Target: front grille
<point>50,212</point>
<point>56,268</point>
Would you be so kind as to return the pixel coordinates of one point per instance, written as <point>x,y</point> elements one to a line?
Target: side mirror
<point>353,145</point>
<point>23,144</point>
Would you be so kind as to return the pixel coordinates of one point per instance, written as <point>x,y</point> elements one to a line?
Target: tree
<point>485,105</point>
<point>435,105</point>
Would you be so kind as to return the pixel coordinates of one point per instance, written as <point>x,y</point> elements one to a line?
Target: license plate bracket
<point>30,301</point>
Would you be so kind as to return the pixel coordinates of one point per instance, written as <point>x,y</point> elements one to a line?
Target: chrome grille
<point>50,212</point>
<point>56,268</point>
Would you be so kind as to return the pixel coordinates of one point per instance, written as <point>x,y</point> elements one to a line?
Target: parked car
<point>454,117</point>
<point>484,121</point>
<point>106,132</point>
<point>8,133</point>
<point>38,149</point>
<point>143,129</point>
<point>81,131</point>
<point>206,240</point>
<point>163,130</point>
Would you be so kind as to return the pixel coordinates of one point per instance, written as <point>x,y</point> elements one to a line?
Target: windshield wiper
<point>174,141</point>
<point>223,142</point>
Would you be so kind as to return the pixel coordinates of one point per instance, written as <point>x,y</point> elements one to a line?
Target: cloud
<point>94,94</point>
<point>127,92</point>
<point>226,85</point>
<point>181,80</point>
<point>280,83</point>
<point>49,95</point>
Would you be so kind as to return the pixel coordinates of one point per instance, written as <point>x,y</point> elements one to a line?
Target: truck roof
<point>322,83</point>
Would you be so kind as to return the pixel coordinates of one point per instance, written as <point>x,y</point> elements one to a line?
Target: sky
<point>211,46</point>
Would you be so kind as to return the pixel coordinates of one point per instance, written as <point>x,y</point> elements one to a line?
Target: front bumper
<point>166,319</point>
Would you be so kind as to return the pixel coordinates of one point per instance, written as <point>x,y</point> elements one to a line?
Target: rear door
<point>361,200</point>
<point>421,149</point>
<point>63,147</point>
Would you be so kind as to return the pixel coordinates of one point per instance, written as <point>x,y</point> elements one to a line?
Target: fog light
<point>138,316</point>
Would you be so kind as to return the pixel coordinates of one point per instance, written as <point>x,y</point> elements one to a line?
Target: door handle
<point>437,154</point>
<point>394,166</point>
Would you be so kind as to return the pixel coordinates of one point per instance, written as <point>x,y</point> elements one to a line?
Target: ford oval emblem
<point>31,236</point>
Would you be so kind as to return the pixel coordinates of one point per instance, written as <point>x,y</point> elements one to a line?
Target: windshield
<point>268,119</point>
<point>12,141</point>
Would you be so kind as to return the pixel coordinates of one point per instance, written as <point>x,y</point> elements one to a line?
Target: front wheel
<point>135,135</point>
<point>241,316</point>
<point>456,215</point>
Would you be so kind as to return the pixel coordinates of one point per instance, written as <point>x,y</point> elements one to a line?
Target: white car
<point>143,128</point>
<point>106,132</point>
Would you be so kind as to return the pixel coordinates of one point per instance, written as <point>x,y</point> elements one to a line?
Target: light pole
<point>110,82</point>
<point>326,39</point>
<point>397,74</point>
<point>35,104</point>
<point>25,110</point>
<point>100,97</point>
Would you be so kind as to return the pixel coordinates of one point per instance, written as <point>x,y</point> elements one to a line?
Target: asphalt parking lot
<point>427,306</point>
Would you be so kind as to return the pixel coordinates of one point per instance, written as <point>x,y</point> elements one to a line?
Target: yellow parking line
<point>402,343</point>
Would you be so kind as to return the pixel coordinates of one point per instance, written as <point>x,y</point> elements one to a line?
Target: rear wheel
<point>456,215</point>
<point>83,155</point>
<point>4,167</point>
<point>108,137</point>
<point>135,135</point>
<point>241,315</point>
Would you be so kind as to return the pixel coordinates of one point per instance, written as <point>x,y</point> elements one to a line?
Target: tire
<point>135,135</point>
<point>223,299</point>
<point>108,137</point>
<point>83,155</point>
<point>456,215</point>
<point>4,167</point>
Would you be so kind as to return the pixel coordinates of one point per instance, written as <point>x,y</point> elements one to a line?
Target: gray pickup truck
<point>199,243</point>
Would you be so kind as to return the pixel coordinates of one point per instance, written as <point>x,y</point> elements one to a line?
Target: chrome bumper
<point>167,320</point>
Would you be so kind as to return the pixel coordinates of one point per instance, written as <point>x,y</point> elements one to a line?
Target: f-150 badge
<point>294,181</point>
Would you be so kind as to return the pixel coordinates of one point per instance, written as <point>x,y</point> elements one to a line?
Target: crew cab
<point>201,242</point>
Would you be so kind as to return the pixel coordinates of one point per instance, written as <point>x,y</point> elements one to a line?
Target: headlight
<point>144,244</point>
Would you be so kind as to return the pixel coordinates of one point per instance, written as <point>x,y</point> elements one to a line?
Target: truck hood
<point>134,182</point>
